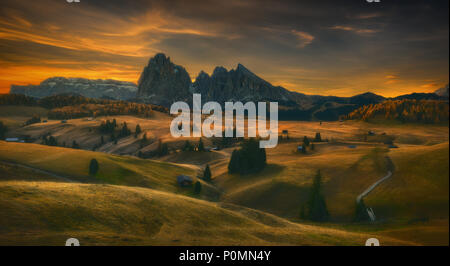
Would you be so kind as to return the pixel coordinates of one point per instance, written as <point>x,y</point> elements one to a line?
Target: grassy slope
<point>412,205</point>
<point>119,170</point>
<point>419,187</point>
<point>14,116</point>
<point>284,185</point>
<point>416,195</point>
<point>44,212</point>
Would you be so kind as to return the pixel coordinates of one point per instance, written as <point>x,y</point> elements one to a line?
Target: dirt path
<point>391,167</point>
<point>372,187</point>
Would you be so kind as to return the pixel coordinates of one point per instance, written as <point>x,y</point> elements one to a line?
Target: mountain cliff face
<point>240,84</point>
<point>109,89</point>
<point>163,82</point>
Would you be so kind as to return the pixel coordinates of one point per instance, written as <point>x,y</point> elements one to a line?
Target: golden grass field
<point>134,201</point>
<point>40,210</point>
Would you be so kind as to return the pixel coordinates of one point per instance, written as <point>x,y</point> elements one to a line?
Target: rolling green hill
<point>47,213</point>
<point>114,169</point>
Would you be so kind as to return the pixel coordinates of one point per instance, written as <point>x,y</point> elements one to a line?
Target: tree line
<point>407,110</point>
<point>76,106</point>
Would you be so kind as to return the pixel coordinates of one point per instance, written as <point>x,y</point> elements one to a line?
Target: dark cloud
<point>330,47</point>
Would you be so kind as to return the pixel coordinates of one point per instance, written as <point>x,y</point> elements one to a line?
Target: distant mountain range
<point>163,82</point>
<point>99,88</point>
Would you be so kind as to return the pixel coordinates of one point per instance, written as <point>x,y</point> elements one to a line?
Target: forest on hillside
<point>75,106</point>
<point>418,111</point>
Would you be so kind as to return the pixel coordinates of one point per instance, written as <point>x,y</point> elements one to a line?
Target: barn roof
<point>182,178</point>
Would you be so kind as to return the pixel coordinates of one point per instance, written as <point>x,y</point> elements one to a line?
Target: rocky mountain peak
<point>219,70</point>
<point>241,68</point>
<point>163,82</point>
<point>202,75</point>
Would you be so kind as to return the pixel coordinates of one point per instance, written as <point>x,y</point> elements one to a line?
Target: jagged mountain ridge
<point>162,83</point>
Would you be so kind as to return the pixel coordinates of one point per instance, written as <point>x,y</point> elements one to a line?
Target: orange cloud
<point>353,29</point>
<point>303,38</point>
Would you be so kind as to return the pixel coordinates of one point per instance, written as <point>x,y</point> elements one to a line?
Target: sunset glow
<point>337,51</point>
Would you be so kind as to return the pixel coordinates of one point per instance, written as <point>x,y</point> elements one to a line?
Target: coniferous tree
<point>361,214</point>
<point>248,159</point>
<point>137,130</point>
<point>75,145</point>
<point>306,141</point>
<point>197,187</point>
<point>207,173</point>
<point>93,167</point>
<point>187,146</point>
<point>124,132</point>
<point>144,138</point>
<point>317,138</point>
<point>201,147</point>
<point>52,141</point>
<point>233,165</point>
<point>162,149</point>
<point>316,206</point>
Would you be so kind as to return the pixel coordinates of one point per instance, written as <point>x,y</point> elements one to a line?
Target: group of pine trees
<point>33,120</point>
<point>250,158</point>
<point>94,110</point>
<point>163,148</point>
<point>49,140</point>
<point>17,99</point>
<point>315,209</point>
<point>407,110</point>
<point>109,127</point>
<point>188,146</point>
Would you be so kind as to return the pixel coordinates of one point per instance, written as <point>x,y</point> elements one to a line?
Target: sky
<point>324,47</point>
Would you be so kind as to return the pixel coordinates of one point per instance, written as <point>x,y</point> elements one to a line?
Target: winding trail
<point>391,167</point>
<point>372,187</point>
